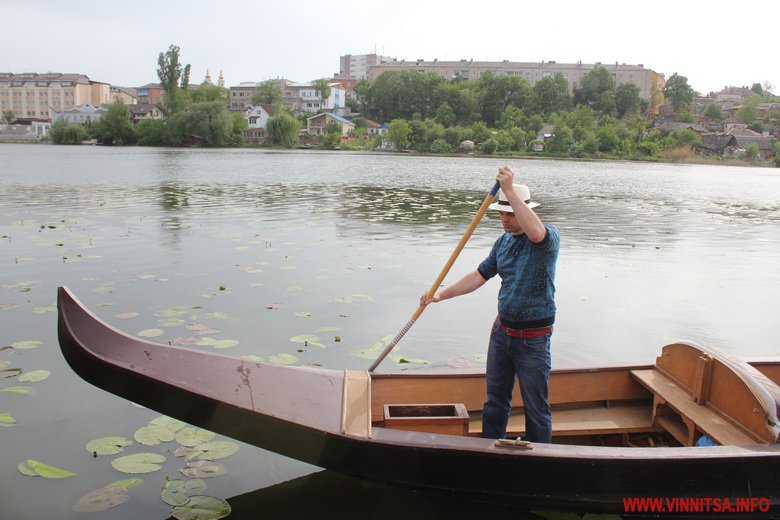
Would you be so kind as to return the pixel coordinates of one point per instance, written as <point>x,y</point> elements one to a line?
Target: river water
<point>258,250</point>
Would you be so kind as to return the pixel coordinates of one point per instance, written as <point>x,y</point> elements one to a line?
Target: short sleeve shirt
<point>527,272</point>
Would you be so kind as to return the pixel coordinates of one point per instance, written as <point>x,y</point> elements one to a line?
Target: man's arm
<point>465,285</point>
<point>526,217</point>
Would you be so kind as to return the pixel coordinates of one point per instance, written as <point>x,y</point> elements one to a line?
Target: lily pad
<point>127,483</point>
<point>253,358</point>
<point>24,470</point>
<point>6,419</point>
<point>283,359</point>
<point>34,376</point>
<point>152,435</point>
<point>170,322</point>
<point>139,463</point>
<point>101,499</point>
<point>178,492</point>
<point>203,469</point>
<point>192,437</point>
<point>24,390</point>
<point>108,445</point>
<point>151,333</point>
<point>26,345</point>
<point>12,372</point>
<point>45,309</point>
<point>308,339</point>
<point>213,450</point>
<point>355,298</point>
<point>44,470</point>
<point>218,343</point>
<point>186,342</point>
<point>199,328</point>
<point>202,507</point>
<point>303,314</point>
<point>168,422</point>
<point>170,313</point>
<point>126,315</point>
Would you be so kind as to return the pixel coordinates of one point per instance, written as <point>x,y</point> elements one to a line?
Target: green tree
<point>399,132</point>
<point>440,146</point>
<point>208,93</point>
<point>776,158</point>
<point>751,152</point>
<point>607,138</point>
<point>64,132</point>
<point>115,126</point>
<point>169,70</point>
<point>496,93</point>
<point>627,100</point>
<point>268,93</point>
<point>445,115</point>
<point>185,77</point>
<point>282,129</point>
<point>512,117</point>
<point>151,132</point>
<point>9,116</point>
<point>205,124</point>
<point>748,112</point>
<point>592,86</point>
<point>322,89</point>
<point>553,94</point>
<point>561,141</point>
<point>489,146</point>
<point>713,111</point>
<point>679,93</point>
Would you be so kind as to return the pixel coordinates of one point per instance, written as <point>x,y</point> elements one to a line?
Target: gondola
<point>620,433</point>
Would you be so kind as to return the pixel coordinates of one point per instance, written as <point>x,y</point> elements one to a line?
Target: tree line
<point>428,113</point>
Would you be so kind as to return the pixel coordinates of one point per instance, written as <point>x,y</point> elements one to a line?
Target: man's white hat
<point>502,204</point>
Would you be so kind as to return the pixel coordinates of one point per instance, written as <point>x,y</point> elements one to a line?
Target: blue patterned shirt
<point>527,271</point>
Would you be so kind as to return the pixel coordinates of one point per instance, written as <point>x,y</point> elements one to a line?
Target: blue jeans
<point>528,360</point>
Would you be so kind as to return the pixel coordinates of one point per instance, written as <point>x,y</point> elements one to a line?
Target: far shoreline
<point>689,159</point>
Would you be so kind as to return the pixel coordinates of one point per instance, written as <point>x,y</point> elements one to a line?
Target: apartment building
<point>240,97</point>
<point>356,66</point>
<point>35,96</point>
<point>303,97</point>
<point>532,72</point>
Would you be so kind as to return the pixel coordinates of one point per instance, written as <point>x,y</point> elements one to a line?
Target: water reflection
<point>331,495</point>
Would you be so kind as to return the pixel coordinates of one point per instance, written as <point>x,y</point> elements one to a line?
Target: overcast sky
<point>713,44</point>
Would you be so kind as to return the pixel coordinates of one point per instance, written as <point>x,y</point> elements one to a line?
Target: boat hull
<point>302,420</point>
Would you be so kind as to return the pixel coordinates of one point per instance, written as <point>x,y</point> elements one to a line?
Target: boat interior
<point>692,394</point>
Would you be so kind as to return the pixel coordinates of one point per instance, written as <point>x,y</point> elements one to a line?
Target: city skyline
<point>255,41</point>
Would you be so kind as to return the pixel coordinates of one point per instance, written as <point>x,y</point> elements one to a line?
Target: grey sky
<point>711,43</point>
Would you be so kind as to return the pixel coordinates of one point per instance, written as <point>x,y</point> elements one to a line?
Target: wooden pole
<point>465,238</point>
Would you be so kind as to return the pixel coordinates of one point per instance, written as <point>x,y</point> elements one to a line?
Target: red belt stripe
<point>526,333</point>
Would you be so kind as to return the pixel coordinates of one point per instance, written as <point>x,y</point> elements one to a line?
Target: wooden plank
<point>591,420</point>
<point>680,400</point>
<point>355,412</point>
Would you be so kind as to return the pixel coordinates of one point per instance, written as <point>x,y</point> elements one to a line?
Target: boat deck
<point>598,419</point>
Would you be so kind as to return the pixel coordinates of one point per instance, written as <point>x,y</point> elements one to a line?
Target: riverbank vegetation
<point>496,114</point>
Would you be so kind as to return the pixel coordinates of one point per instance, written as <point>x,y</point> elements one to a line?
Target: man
<point>524,257</point>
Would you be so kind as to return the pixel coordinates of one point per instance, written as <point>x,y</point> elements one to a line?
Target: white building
<point>82,114</point>
<point>303,97</point>
<point>257,116</point>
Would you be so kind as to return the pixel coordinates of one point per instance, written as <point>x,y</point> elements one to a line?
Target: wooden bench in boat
<point>584,401</point>
<point>701,391</point>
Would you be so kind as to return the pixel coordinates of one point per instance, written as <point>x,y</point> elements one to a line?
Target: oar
<point>482,209</point>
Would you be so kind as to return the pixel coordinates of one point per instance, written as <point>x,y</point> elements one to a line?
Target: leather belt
<point>527,333</point>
